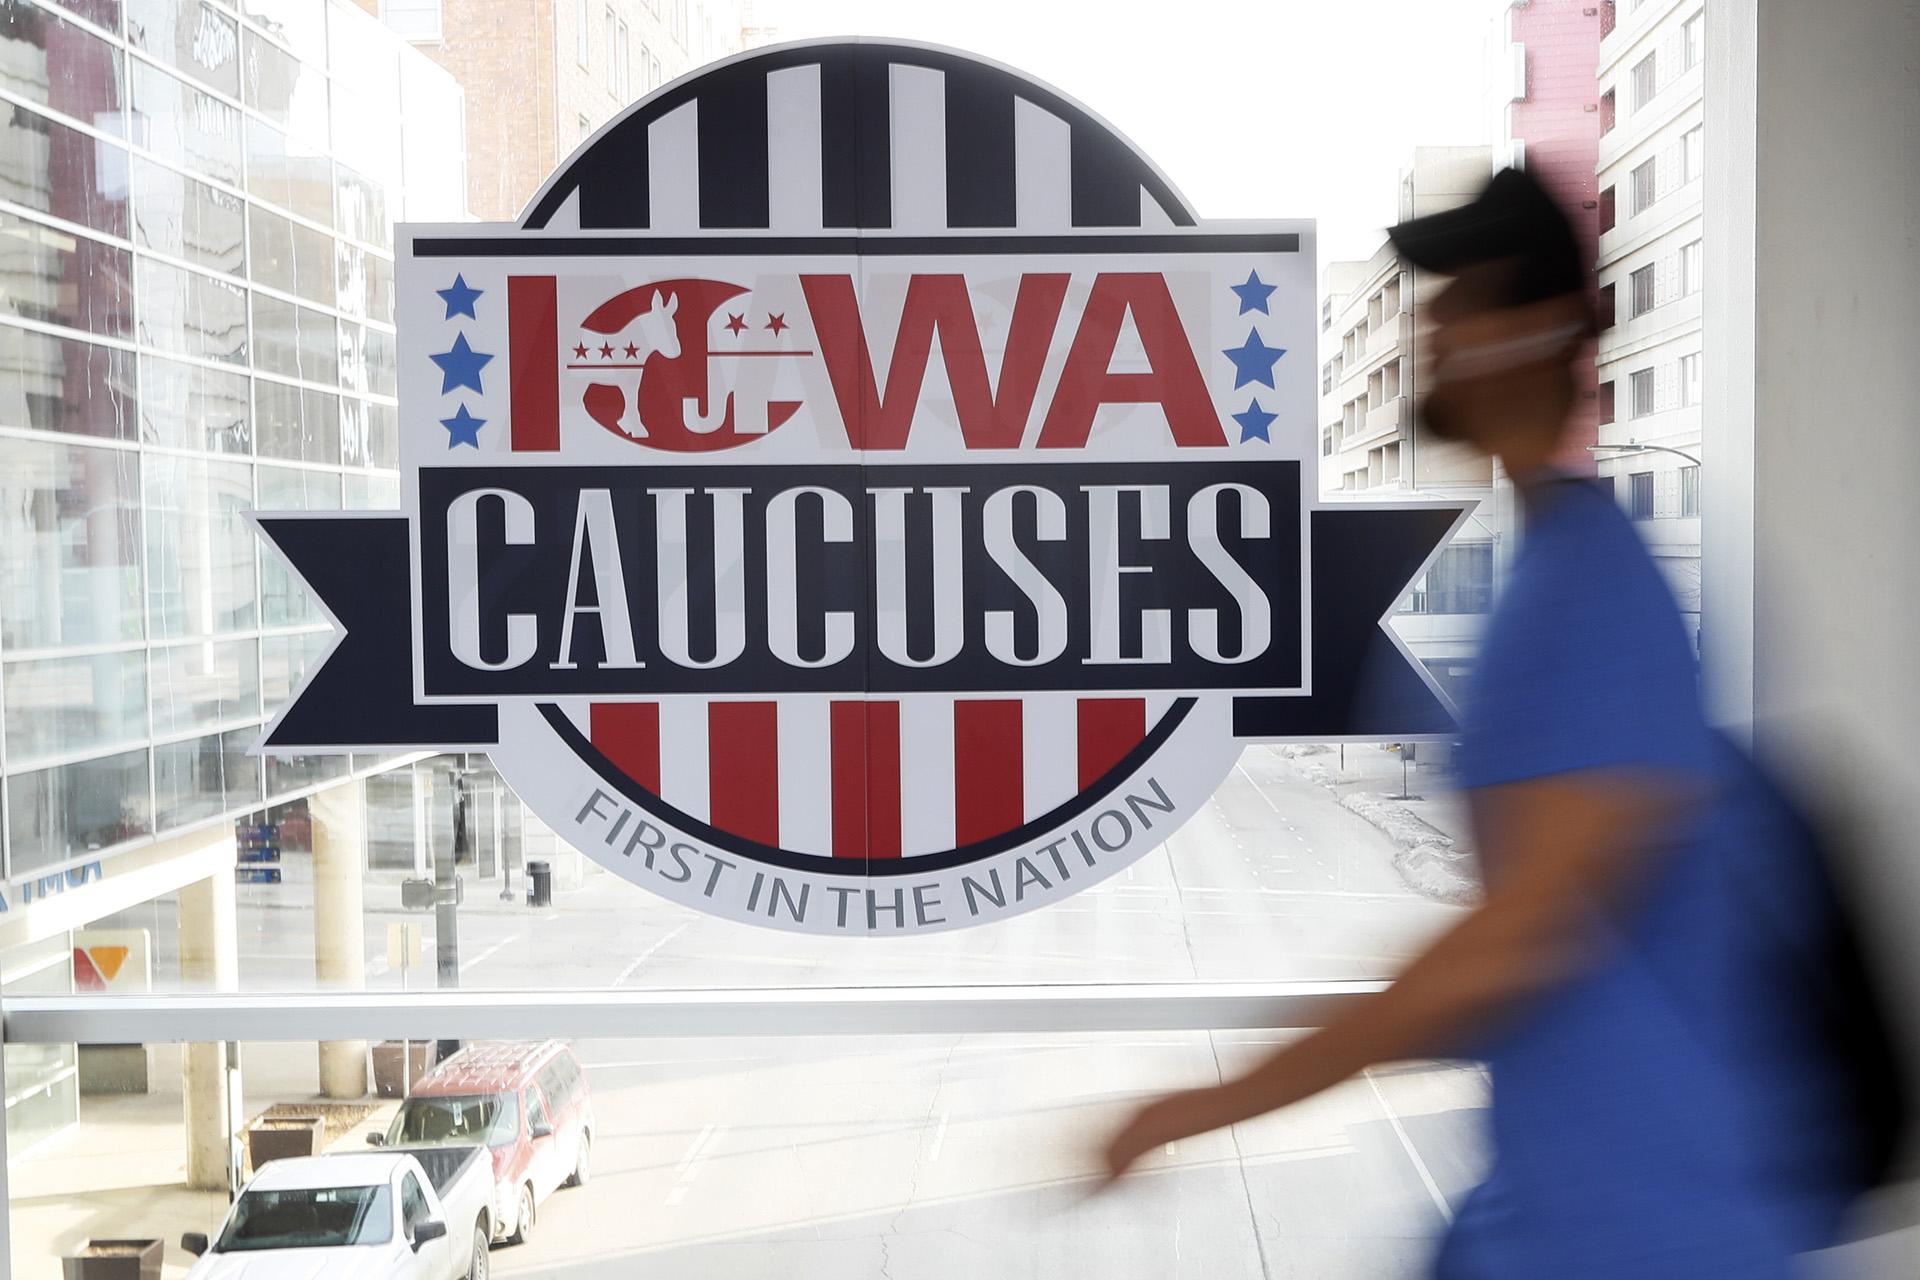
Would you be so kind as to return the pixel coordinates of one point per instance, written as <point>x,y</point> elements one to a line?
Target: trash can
<point>539,883</point>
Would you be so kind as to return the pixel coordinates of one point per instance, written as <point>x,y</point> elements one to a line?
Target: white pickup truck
<point>404,1213</point>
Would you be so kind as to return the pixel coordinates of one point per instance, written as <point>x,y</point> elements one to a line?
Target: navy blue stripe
<point>980,148</point>
<point>732,128</point>
<point>868,246</point>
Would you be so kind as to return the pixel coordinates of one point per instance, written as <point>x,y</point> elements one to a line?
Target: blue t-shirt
<point>1656,1116</point>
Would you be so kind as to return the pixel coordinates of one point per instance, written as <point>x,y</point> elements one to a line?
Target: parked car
<point>526,1102</point>
<point>399,1214</point>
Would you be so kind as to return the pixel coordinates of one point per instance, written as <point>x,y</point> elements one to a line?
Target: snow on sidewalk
<point>1432,855</point>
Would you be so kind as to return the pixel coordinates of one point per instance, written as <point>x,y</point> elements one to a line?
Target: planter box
<point>389,1074</point>
<point>115,1260</point>
<point>281,1137</point>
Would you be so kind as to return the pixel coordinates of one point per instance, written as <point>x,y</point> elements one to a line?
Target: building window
<point>412,19</point>
<point>612,23</point>
<point>1460,581</point>
<point>1326,443</point>
<point>1689,491</point>
<point>1326,378</point>
<point>1645,74</point>
<point>1640,503</point>
<point>649,81</point>
<point>1606,401</point>
<point>1606,210</point>
<point>1607,103</point>
<point>1692,267</point>
<point>1690,37</point>
<point>1645,185</point>
<point>1608,17</point>
<point>1326,315</point>
<point>1689,380</point>
<point>1640,291</point>
<point>580,31</point>
<point>624,57</point>
<point>1640,391</point>
<point>1609,309</point>
<point>1690,154</point>
<point>586,128</point>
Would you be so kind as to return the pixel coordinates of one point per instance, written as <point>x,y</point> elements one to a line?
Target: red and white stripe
<point>856,778</point>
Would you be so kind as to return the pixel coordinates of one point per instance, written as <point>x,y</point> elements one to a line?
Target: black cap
<point>1512,219</point>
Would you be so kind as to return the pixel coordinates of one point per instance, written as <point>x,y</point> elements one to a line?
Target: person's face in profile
<point>1493,367</point>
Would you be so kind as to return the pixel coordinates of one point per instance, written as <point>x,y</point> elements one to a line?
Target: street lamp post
<point>1632,447</point>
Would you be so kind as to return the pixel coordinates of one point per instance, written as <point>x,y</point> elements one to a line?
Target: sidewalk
<point>1426,821</point>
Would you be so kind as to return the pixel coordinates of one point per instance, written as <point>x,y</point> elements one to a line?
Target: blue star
<point>459,298</point>
<point>1254,423</point>
<point>463,428</point>
<point>1253,294</point>
<point>461,366</point>
<point>1252,361</point>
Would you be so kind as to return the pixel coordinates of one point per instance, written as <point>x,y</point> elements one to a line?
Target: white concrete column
<point>209,961</point>
<point>339,922</point>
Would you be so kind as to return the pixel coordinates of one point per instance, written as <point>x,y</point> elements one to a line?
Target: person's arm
<point>1565,846</point>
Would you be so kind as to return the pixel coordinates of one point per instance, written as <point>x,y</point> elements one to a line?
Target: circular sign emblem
<point>860,497</point>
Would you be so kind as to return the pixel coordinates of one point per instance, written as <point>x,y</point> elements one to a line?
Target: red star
<point>606,351</point>
<point>778,322</point>
<point>632,351</point>
<point>580,353</point>
<point>735,323</point>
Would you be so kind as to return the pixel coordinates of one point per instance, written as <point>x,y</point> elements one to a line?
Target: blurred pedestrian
<point>1660,1106</point>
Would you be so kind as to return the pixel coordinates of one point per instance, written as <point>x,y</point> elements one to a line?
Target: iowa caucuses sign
<point>859,497</point>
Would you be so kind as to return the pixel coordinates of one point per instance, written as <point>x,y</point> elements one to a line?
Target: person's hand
<point>1164,1120</point>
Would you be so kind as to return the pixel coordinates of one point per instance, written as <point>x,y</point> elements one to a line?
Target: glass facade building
<point>197,205</point>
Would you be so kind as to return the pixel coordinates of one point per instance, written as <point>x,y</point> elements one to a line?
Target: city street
<point>906,1156</point>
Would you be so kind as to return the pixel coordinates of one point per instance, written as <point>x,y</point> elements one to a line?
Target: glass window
<point>294,341</point>
<point>1606,209</point>
<point>365,283</point>
<point>1693,267</point>
<point>366,359</point>
<point>70,706</point>
<point>1692,157</point>
<point>58,814</point>
<point>1690,491</point>
<point>1690,380</point>
<point>298,24</point>
<point>197,39</point>
<point>1460,581</point>
<point>1640,490</point>
<point>200,686</point>
<point>613,43</point>
<point>413,19</point>
<point>329,1218</point>
<point>204,777</point>
<point>102,13</point>
<point>185,125</point>
<point>1645,81</point>
<point>189,406</point>
<point>284,663</point>
<point>285,90</point>
<point>1645,185</point>
<point>1640,389</point>
<point>46,59</point>
<point>287,774</point>
<point>50,383</point>
<point>298,489</point>
<point>291,176</point>
<point>188,219</point>
<point>1606,401</point>
<point>1692,34</point>
<point>200,548</point>
<point>1608,112</point>
<point>291,256</point>
<point>58,170</point>
<point>186,313</point>
<point>1640,290</point>
<point>69,544</point>
<point>580,49</point>
<point>373,493</point>
<point>363,208</point>
<point>295,423</point>
<point>57,277</point>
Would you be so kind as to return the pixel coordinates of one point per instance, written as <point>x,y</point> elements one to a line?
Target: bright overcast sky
<point>1280,108</point>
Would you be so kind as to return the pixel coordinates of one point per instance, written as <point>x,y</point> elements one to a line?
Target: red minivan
<point>527,1102</point>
